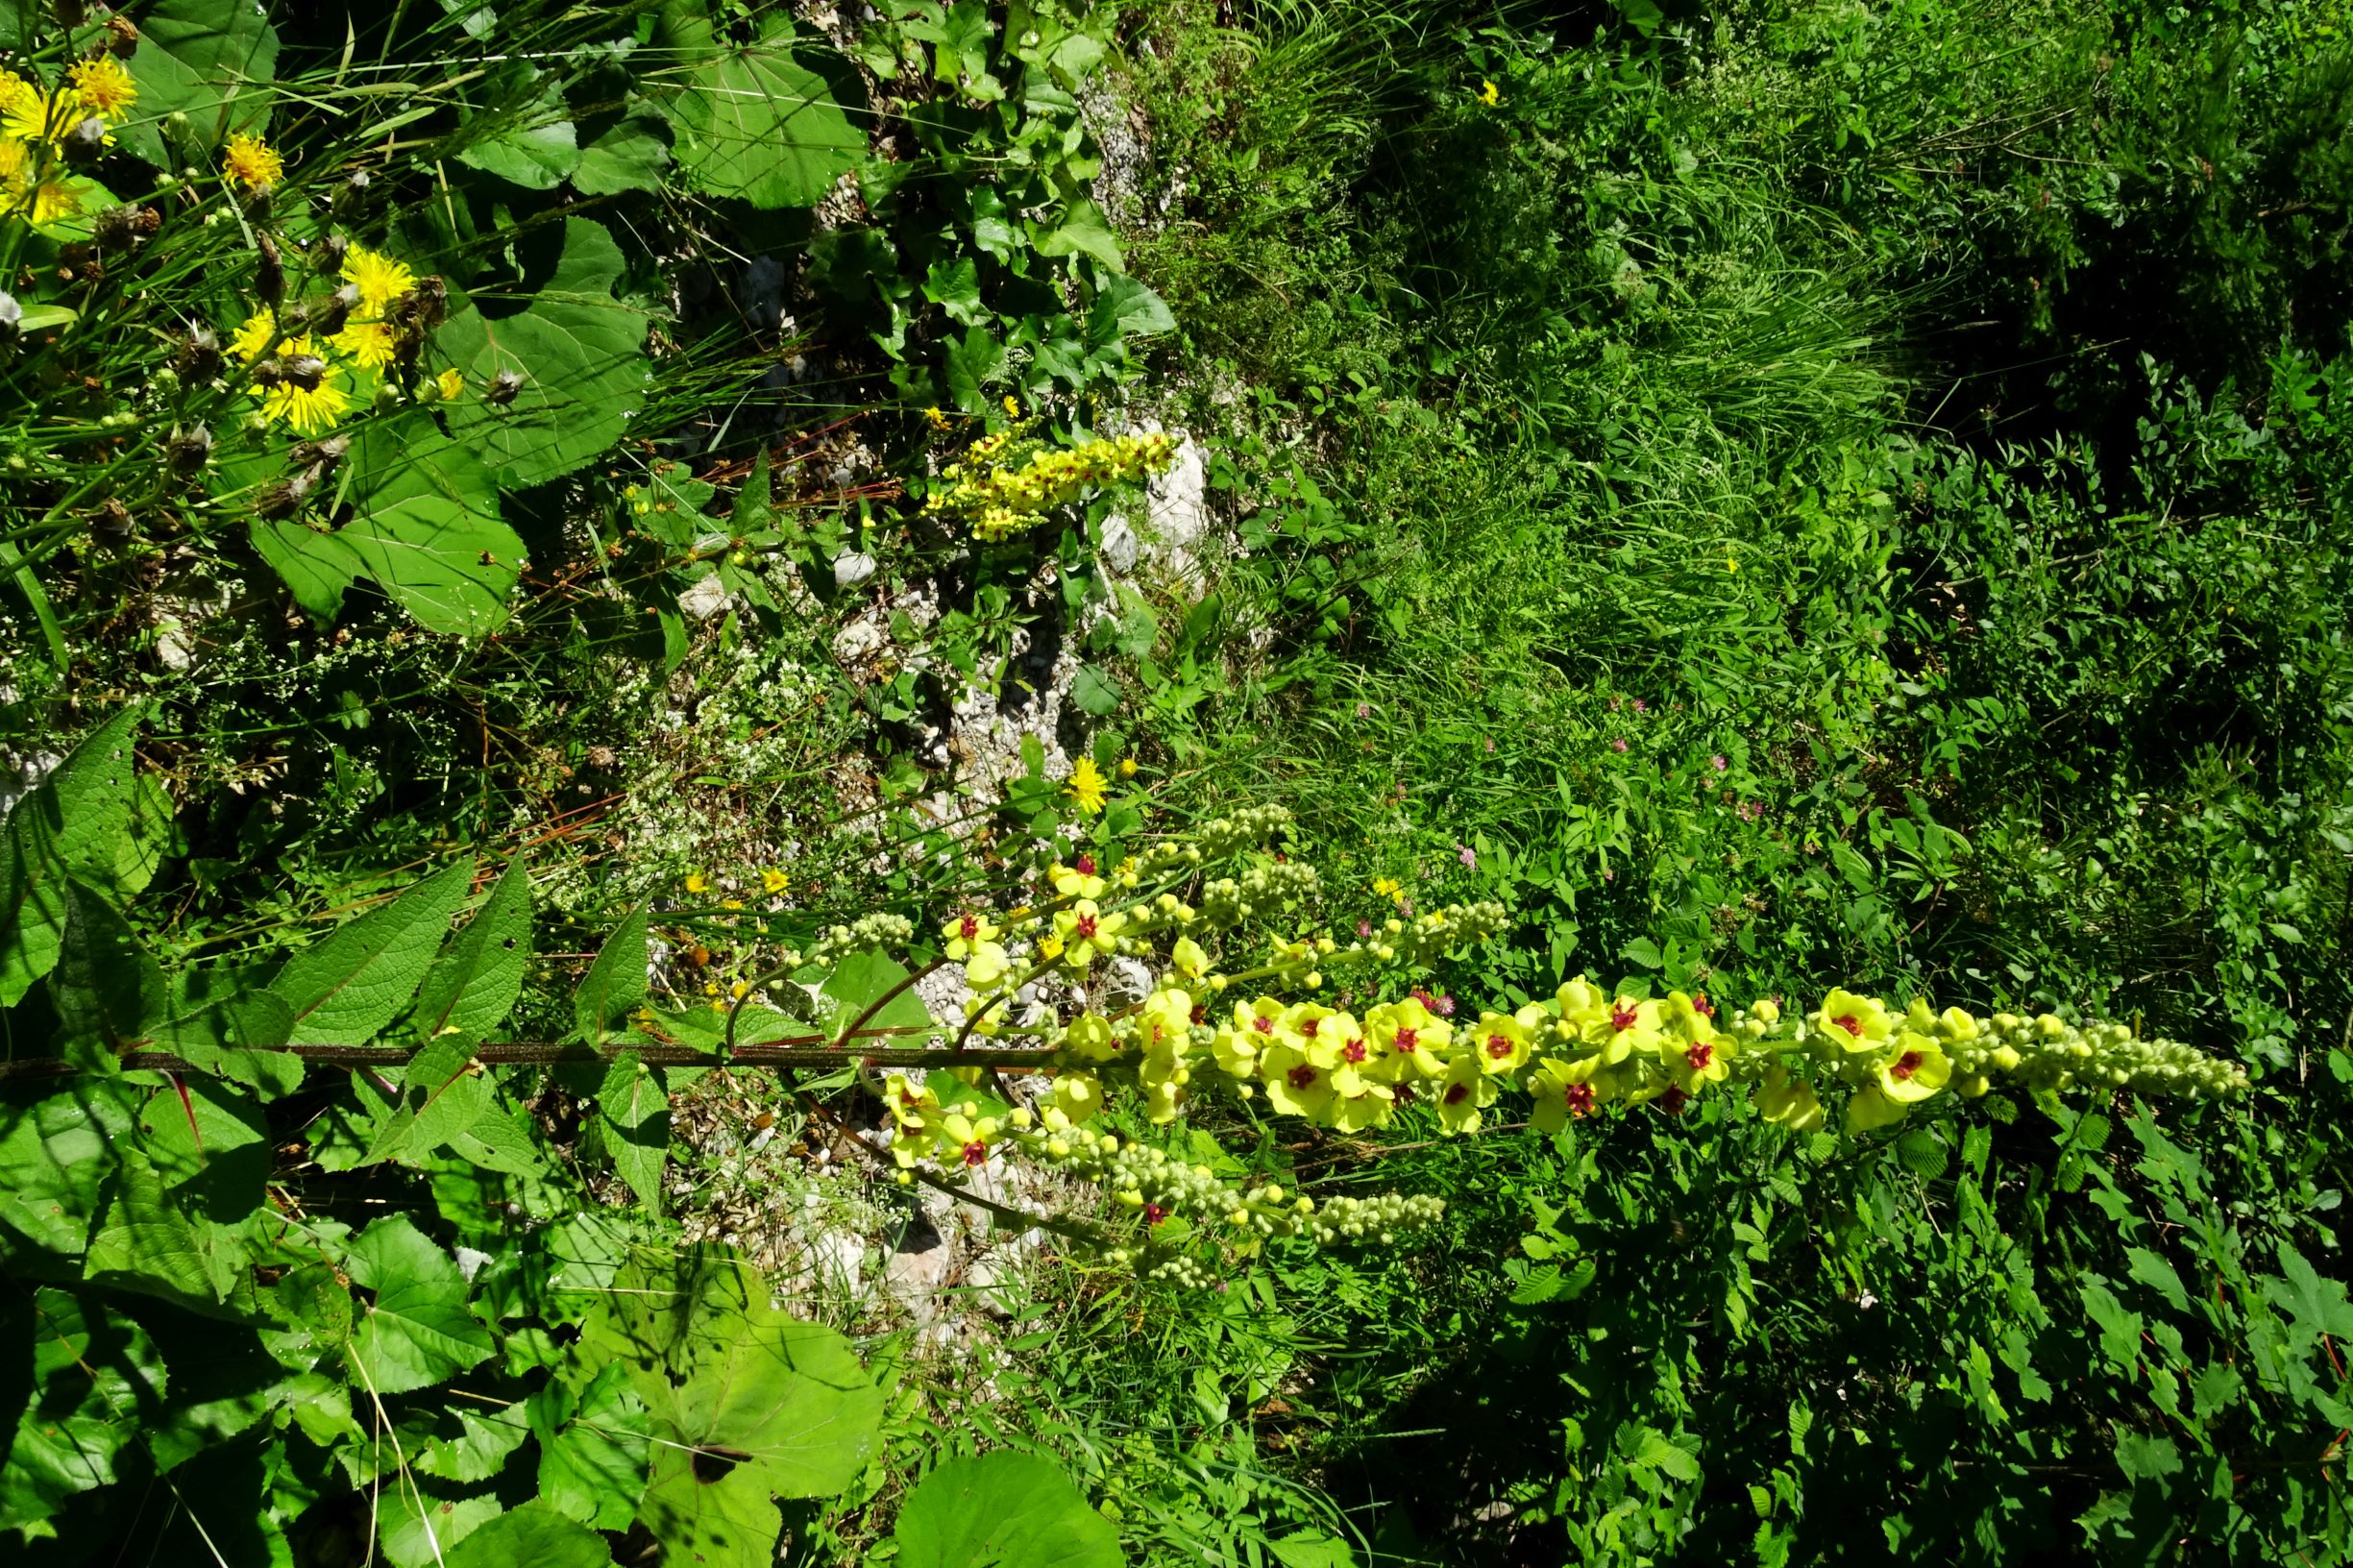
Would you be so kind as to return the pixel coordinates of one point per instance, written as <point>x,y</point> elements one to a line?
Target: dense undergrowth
<point>1746,498</point>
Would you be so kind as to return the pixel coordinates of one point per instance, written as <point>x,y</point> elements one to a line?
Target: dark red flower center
<point>1580,1099</point>
<point>1623,1016</point>
<point>1085,927</point>
<point>1457,1094</point>
<point>969,928</point>
<point>1407,1040</point>
<point>1309,1027</point>
<point>1086,865</point>
<point>975,1152</point>
<point>1705,1008</point>
<point>1153,1214</point>
<point>1301,1076</point>
<point>1354,1050</point>
<point>1263,1024</point>
<point>1905,1066</point>
<point>1700,1056</point>
<point>1498,1046</point>
<point>1850,1023</point>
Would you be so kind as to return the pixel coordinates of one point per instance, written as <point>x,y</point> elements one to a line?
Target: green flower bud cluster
<point>1373,1219</point>
<point>879,930</point>
<point>1149,1182</point>
<point>1259,892</point>
<point>2047,1052</point>
<point>1244,829</point>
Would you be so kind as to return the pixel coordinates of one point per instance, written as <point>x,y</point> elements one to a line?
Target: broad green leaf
<point>2319,1306</point>
<point>954,286</point>
<point>474,983</point>
<point>209,1147</point>
<point>533,1535</point>
<point>535,144</point>
<point>94,1381</point>
<point>615,984</point>
<point>1125,308</point>
<point>484,1441</point>
<point>1095,692</point>
<point>1083,230</point>
<point>417,1330</point>
<point>634,1108</point>
<point>147,1241</point>
<point>219,1025</point>
<point>346,988</point>
<point>421,1522</point>
<point>629,155</point>
<point>443,1097</point>
<point>72,824</point>
<point>759,123</point>
<point>593,1449</point>
<point>317,566</point>
<point>1002,1508</point>
<point>110,993</point>
<point>55,1154</point>
<point>859,980</point>
<point>426,525</point>
<point>213,61</point>
<point>972,365</point>
<point>579,351</point>
<point>223,1380</point>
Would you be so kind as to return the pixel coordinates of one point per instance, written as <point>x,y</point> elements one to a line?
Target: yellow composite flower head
<point>368,344</point>
<point>24,191</point>
<point>380,279</point>
<point>450,383</point>
<point>1086,786</point>
<point>309,410</point>
<point>104,87</point>
<point>28,115</point>
<point>254,335</point>
<point>1489,93</point>
<point>252,162</point>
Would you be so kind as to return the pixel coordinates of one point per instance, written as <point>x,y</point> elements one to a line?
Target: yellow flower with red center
<point>1414,1042</point>
<point>1087,932</point>
<point>1500,1042</point>
<point>1297,1085</point>
<point>1465,1091</point>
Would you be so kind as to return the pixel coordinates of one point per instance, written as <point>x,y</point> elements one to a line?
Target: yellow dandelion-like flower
<point>253,163</point>
<point>23,190</point>
<point>451,382</point>
<point>698,882</point>
<point>1013,406</point>
<point>774,880</point>
<point>1086,786</point>
<point>1386,886</point>
<point>253,337</point>
<point>368,343</point>
<point>938,421</point>
<point>27,113</point>
<point>1127,767</point>
<point>104,87</point>
<point>309,410</point>
<point>1488,94</point>
<point>378,278</point>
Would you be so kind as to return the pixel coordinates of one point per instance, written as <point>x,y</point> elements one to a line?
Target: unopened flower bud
<point>504,387</point>
<point>189,447</point>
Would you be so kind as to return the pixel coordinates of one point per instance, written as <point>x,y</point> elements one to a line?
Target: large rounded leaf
<point>760,125</point>
<point>1002,1507</point>
<point>579,353</point>
<point>212,60</point>
<point>533,1535</point>
<point>426,525</point>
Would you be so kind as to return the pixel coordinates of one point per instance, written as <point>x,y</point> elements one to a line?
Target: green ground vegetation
<point>1769,495</point>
